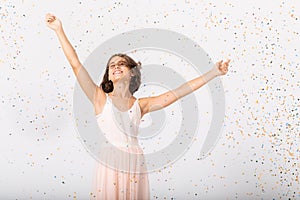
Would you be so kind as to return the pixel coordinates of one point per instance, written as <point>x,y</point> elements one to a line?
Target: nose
<point>117,66</point>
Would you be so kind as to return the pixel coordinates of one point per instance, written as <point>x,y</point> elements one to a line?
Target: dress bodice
<point>120,128</point>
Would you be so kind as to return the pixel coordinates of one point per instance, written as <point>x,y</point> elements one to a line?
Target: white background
<point>257,157</point>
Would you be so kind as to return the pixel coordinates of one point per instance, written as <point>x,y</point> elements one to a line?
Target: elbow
<point>75,64</point>
<point>76,68</point>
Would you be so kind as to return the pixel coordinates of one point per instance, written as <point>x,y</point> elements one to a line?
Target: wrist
<point>214,72</point>
<point>211,74</point>
<point>59,30</point>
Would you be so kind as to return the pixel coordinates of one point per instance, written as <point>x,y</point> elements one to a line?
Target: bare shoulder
<point>100,99</point>
<point>143,102</point>
<point>149,104</point>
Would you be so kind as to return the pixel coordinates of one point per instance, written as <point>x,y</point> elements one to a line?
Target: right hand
<point>221,67</point>
<point>53,22</point>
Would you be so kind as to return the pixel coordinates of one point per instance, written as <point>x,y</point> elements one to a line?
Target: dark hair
<point>135,81</point>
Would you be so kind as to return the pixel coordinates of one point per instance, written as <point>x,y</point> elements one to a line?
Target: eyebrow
<point>118,61</point>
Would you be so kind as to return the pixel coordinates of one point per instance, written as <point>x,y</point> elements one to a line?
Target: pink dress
<point>123,173</point>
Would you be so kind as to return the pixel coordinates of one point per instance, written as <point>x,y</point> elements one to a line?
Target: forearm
<point>202,80</point>
<point>195,84</point>
<point>167,98</point>
<point>68,49</point>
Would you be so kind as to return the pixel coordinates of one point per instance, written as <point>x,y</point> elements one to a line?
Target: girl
<point>121,79</point>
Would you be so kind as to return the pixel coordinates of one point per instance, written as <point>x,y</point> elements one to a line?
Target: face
<point>118,69</point>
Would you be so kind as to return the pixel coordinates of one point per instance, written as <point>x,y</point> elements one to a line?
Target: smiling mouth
<point>117,72</point>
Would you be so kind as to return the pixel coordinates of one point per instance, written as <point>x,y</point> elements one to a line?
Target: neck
<point>121,90</point>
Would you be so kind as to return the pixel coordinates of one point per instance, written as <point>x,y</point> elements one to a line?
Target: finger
<point>50,19</point>
<point>227,61</point>
<point>219,63</point>
<point>49,15</point>
<point>224,66</point>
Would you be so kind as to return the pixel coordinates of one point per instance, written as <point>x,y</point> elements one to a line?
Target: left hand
<point>53,22</point>
<point>221,67</point>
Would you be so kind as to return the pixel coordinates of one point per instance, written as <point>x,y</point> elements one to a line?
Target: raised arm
<point>150,104</point>
<point>84,79</point>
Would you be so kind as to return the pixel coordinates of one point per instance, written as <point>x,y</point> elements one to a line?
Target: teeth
<point>118,72</point>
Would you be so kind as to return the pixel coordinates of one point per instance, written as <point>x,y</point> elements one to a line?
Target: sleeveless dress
<point>122,172</point>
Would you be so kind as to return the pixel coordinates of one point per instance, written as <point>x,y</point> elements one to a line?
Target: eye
<point>122,63</point>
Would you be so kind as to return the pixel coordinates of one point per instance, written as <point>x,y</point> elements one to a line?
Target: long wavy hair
<point>135,81</point>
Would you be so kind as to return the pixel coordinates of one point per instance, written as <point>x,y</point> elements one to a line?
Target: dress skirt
<point>121,175</point>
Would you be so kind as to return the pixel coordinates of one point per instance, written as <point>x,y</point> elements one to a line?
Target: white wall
<point>257,156</point>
